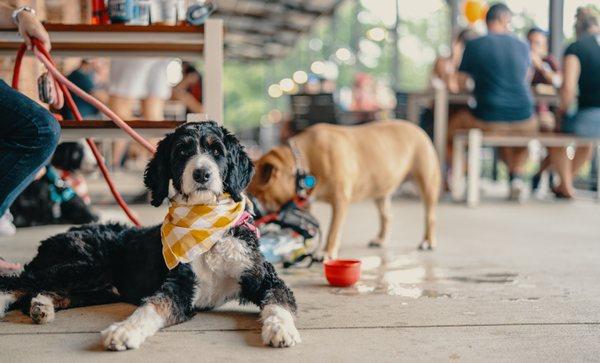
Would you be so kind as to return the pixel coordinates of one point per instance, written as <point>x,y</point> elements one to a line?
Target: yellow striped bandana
<point>189,231</point>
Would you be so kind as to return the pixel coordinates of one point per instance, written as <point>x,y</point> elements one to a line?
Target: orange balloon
<point>474,10</point>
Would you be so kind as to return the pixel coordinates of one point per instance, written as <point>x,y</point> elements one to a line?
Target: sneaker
<point>7,228</point>
<point>518,190</point>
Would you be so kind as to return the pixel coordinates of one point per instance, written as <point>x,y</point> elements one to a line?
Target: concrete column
<point>213,69</point>
<point>556,28</point>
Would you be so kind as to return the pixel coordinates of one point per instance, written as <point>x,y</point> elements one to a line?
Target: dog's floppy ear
<point>265,173</point>
<point>158,172</point>
<point>239,166</point>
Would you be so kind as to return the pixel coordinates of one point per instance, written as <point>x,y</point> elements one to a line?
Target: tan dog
<point>352,163</point>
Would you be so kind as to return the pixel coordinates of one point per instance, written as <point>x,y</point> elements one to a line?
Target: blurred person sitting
<point>137,79</point>
<point>545,72</point>
<point>581,70</point>
<point>364,94</point>
<point>85,77</point>
<point>546,77</point>
<point>189,89</point>
<point>445,68</point>
<point>499,65</point>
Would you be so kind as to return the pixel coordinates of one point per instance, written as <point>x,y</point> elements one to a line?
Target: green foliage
<point>246,99</point>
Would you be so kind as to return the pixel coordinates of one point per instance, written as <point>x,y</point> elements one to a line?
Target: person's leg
<point>582,154</point>
<point>515,158</point>
<point>584,123</point>
<point>544,165</point>
<point>519,159</point>
<point>29,135</point>
<point>563,166</point>
<point>153,108</point>
<point>122,106</point>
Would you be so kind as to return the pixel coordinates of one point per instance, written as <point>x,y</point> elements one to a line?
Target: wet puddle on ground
<point>411,276</point>
<point>401,275</point>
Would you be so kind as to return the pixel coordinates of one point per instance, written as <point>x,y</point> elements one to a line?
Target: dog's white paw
<point>42,309</point>
<point>278,329</point>
<point>6,299</point>
<point>122,336</point>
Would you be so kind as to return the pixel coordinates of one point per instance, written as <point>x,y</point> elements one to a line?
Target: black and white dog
<point>99,264</point>
<point>52,200</point>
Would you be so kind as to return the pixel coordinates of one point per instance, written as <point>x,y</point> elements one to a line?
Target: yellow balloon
<point>474,10</point>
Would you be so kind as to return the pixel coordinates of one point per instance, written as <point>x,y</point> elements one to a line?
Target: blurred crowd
<point>505,74</point>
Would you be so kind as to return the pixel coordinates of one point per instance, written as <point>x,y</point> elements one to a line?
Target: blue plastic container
<point>120,11</point>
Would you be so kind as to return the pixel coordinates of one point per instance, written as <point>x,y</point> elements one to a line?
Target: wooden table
<point>441,99</point>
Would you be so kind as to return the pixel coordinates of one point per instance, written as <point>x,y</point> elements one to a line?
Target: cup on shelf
<point>120,11</point>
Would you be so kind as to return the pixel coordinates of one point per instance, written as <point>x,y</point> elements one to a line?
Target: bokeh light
<point>300,77</point>
<point>275,91</point>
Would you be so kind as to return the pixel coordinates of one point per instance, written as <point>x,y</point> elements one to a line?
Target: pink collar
<point>245,220</point>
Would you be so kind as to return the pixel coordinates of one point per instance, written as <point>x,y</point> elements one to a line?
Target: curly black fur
<point>103,263</point>
<point>174,151</point>
<point>68,156</point>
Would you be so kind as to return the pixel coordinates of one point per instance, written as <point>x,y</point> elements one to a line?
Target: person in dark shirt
<point>544,65</point>
<point>189,90</point>
<point>82,77</point>
<point>581,70</point>
<point>499,64</point>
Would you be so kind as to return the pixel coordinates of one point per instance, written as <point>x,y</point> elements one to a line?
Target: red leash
<point>61,81</point>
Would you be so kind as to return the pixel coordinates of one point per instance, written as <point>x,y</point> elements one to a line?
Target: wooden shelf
<point>53,27</point>
<point>116,40</point>
<point>105,124</point>
<point>102,129</point>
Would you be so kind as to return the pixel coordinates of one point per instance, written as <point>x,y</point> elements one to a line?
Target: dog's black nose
<point>201,175</point>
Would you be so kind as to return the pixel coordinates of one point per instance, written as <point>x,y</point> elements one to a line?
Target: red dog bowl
<point>342,273</point>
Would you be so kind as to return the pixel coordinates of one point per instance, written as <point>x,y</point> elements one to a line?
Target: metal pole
<point>356,27</point>
<point>396,52</point>
<point>454,15</point>
<point>556,28</point>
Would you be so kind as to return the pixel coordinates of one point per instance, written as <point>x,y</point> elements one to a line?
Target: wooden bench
<point>101,129</point>
<point>467,146</point>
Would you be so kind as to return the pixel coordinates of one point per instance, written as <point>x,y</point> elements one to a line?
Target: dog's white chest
<point>218,272</point>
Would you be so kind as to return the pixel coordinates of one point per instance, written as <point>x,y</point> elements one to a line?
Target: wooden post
<point>213,69</point>
<point>458,168</point>
<point>598,172</point>
<point>440,124</point>
<point>475,138</point>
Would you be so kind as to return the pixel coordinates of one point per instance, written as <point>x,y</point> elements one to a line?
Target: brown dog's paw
<point>425,246</point>
<point>376,243</point>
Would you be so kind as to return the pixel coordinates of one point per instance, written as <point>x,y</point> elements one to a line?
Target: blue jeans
<point>586,122</point>
<point>28,136</point>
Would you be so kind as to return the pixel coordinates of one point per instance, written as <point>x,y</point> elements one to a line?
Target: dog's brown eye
<point>216,152</point>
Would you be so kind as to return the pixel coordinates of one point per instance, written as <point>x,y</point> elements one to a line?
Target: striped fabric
<point>189,231</point>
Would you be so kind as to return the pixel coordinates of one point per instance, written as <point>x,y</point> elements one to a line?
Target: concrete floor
<point>507,283</point>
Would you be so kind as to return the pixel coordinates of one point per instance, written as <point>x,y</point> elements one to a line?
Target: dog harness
<point>189,231</point>
<point>305,182</point>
